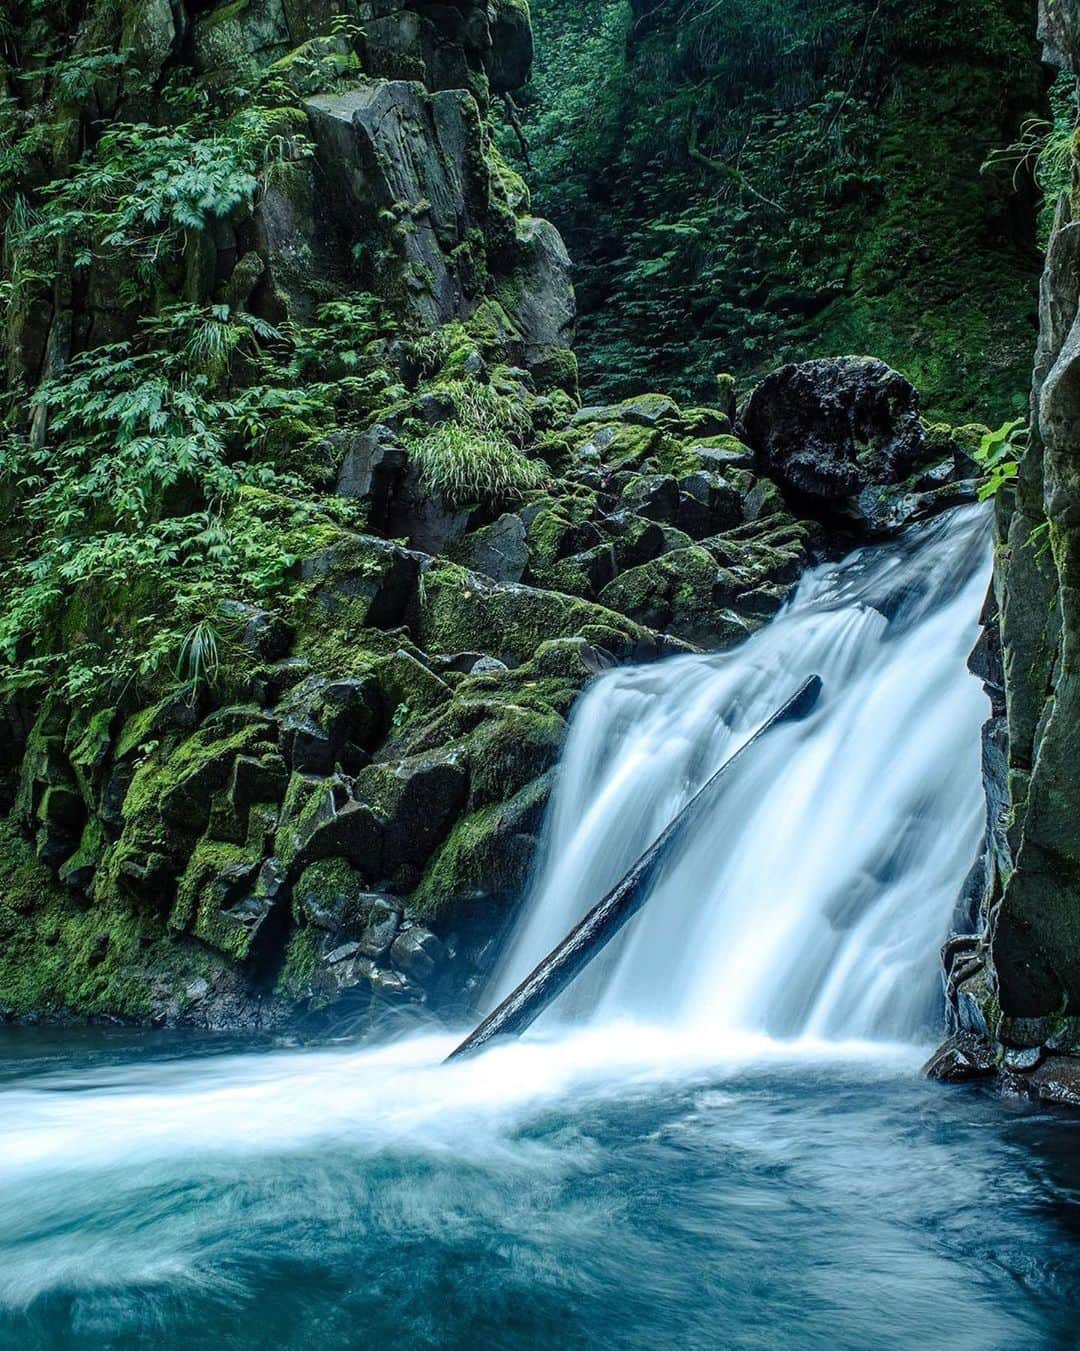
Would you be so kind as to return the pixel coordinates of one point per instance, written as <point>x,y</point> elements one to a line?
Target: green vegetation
<point>757,181</point>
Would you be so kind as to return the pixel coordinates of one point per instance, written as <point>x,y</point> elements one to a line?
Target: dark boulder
<point>828,429</point>
<point>500,550</point>
<point>417,953</point>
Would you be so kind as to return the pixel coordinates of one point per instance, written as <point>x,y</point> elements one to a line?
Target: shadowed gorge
<point>765,180</point>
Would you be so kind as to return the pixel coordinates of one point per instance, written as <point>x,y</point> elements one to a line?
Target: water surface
<point>607,1189</point>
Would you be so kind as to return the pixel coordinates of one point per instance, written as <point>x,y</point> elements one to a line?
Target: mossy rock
<point>57,958</point>
<point>461,611</point>
<point>416,799</point>
<point>678,593</point>
<point>484,867</point>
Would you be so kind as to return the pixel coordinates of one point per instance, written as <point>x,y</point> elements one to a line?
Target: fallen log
<point>584,942</point>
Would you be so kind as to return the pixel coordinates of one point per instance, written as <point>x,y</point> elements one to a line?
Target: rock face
<point>1016,978</point>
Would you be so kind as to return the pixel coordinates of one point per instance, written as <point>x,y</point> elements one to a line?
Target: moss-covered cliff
<point>308,546</point>
<point>768,180</point>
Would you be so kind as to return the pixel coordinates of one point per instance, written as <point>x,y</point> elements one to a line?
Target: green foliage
<point>466,466</point>
<point>141,190</point>
<point>766,180</point>
<point>999,456</point>
<point>152,495</point>
<point>474,456</point>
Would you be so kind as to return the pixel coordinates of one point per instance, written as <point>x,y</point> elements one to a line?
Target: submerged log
<point>584,942</point>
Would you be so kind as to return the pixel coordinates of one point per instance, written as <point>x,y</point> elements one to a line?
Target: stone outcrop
<point>1014,975</point>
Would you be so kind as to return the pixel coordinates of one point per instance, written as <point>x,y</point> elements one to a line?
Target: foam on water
<point>813,900</point>
<point>786,964</point>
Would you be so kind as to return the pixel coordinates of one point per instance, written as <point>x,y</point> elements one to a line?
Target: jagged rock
<point>392,144</point>
<point>226,32</point>
<point>487,666</point>
<point>317,64</point>
<point>829,429</point>
<point>556,532</point>
<point>419,954</point>
<point>372,469</point>
<point>723,452</point>
<point>484,865</point>
<point>405,682</point>
<point>653,496</point>
<point>963,1057</point>
<point>323,720</point>
<point>417,799</point>
<point>708,503</point>
<point>684,593</point>
<point>635,540</point>
<point>366,577</point>
<point>499,550</point>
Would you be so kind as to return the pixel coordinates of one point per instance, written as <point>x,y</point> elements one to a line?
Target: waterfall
<point>814,899</point>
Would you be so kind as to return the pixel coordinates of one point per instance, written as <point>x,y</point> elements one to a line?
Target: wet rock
<point>321,721</point>
<point>829,429</point>
<point>723,452</point>
<point>419,954</point>
<point>270,685</point>
<point>963,1057</point>
<point>1021,1058</point>
<point>344,953</point>
<point>1057,1080</point>
<point>383,919</point>
<point>262,779</point>
<point>197,991</point>
<point>328,895</point>
<point>392,985</point>
<point>353,832</point>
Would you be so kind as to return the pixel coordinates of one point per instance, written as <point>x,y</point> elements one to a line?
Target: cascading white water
<point>813,901</point>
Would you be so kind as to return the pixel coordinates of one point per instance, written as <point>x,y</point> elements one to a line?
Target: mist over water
<point>725,1144</point>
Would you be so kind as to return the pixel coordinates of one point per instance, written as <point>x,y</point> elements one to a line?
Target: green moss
<point>486,859</point>
<point>56,957</point>
<point>302,957</point>
<point>460,612</point>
